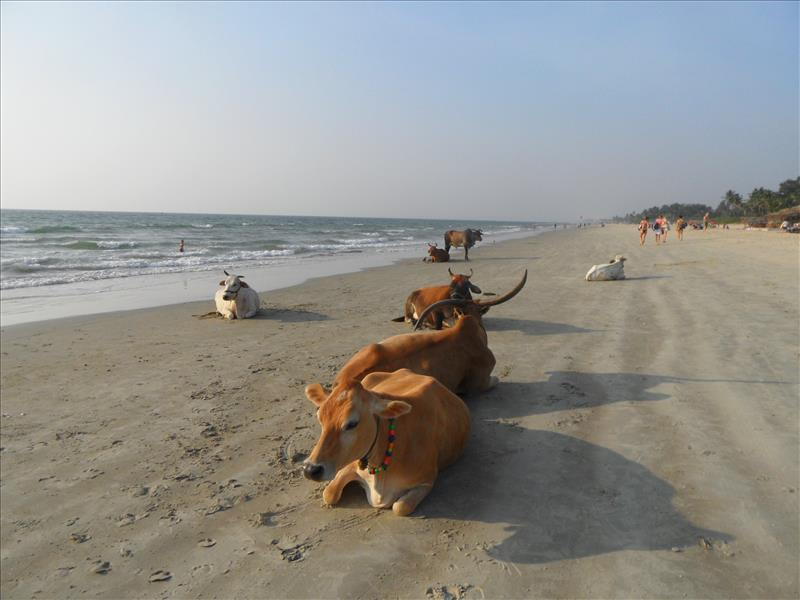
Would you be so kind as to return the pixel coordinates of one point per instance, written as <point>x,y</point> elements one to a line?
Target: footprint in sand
<point>202,569</point>
<point>101,567</point>
<point>160,576</point>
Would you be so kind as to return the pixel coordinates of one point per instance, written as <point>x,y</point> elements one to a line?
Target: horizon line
<point>236,214</point>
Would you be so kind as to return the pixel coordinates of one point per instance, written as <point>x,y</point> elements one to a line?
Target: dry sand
<point>643,441</point>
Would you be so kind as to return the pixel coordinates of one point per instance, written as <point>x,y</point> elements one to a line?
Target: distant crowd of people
<point>661,227</point>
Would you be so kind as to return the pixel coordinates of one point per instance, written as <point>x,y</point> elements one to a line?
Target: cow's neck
<point>377,451</point>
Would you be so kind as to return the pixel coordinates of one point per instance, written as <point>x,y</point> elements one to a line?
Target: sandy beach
<point>642,442</point>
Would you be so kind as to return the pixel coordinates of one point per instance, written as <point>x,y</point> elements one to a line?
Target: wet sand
<point>642,442</point>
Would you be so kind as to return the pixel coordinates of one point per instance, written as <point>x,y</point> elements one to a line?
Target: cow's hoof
<point>402,509</point>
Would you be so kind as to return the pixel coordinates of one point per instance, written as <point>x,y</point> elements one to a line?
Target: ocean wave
<point>55,229</point>
<point>356,245</point>
<point>84,276</point>
<point>101,245</point>
<point>76,248</point>
<point>360,241</point>
<point>111,244</point>
<point>141,263</point>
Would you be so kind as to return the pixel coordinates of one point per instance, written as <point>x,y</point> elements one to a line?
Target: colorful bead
<point>387,459</point>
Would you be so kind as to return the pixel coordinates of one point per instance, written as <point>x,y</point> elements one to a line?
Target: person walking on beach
<point>664,228</point>
<point>644,225</point>
<point>180,249</point>
<point>705,222</point>
<point>657,229</point>
<point>680,225</point>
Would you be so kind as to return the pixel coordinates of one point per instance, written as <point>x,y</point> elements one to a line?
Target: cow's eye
<point>351,425</point>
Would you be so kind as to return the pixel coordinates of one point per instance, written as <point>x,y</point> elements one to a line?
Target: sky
<point>518,111</point>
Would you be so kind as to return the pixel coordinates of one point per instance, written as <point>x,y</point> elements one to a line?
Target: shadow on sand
<point>646,277</point>
<point>289,315</point>
<point>531,327</point>
<point>561,497</point>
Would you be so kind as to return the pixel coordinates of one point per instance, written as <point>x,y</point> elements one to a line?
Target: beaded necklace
<point>387,458</point>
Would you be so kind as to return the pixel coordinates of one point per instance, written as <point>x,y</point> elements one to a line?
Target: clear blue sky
<point>504,111</point>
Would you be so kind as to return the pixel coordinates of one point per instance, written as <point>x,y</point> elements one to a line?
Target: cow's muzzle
<point>314,472</point>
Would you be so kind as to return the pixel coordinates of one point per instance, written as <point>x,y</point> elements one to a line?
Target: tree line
<point>759,202</point>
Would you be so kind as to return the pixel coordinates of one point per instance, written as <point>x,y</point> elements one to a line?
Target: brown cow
<point>460,287</point>
<point>436,254</point>
<point>392,433</point>
<point>466,238</point>
<point>459,357</point>
<point>465,306</point>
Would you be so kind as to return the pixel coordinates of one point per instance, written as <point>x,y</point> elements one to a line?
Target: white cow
<point>236,300</point>
<point>615,269</point>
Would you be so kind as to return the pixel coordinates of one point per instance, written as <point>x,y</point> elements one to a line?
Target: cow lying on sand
<point>614,269</point>
<point>459,357</point>
<point>466,238</point>
<point>392,433</point>
<point>435,306</point>
<point>460,286</point>
<point>436,254</point>
<point>236,299</point>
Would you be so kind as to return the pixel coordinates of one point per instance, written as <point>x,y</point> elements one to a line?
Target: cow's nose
<point>313,472</point>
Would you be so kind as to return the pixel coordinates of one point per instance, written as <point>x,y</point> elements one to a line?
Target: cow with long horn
<point>459,287</point>
<point>466,306</point>
<point>458,357</point>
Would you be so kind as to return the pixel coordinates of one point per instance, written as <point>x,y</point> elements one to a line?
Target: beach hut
<point>792,215</point>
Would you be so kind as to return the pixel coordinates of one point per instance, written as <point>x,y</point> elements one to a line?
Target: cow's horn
<point>448,302</point>
<point>226,273</point>
<point>508,296</point>
<point>449,271</point>
<point>470,272</point>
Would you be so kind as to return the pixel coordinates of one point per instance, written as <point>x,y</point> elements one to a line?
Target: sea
<point>43,248</point>
<point>60,254</point>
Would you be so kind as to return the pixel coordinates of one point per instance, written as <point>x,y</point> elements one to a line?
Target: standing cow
<point>466,238</point>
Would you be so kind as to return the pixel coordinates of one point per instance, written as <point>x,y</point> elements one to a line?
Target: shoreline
<point>24,305</point>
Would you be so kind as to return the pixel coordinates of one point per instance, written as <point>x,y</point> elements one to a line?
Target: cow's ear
<point>243,284</point>
<point>389,409</point>
<point>316,393</point>
<point>475,288</point>
<point>222,282</point>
